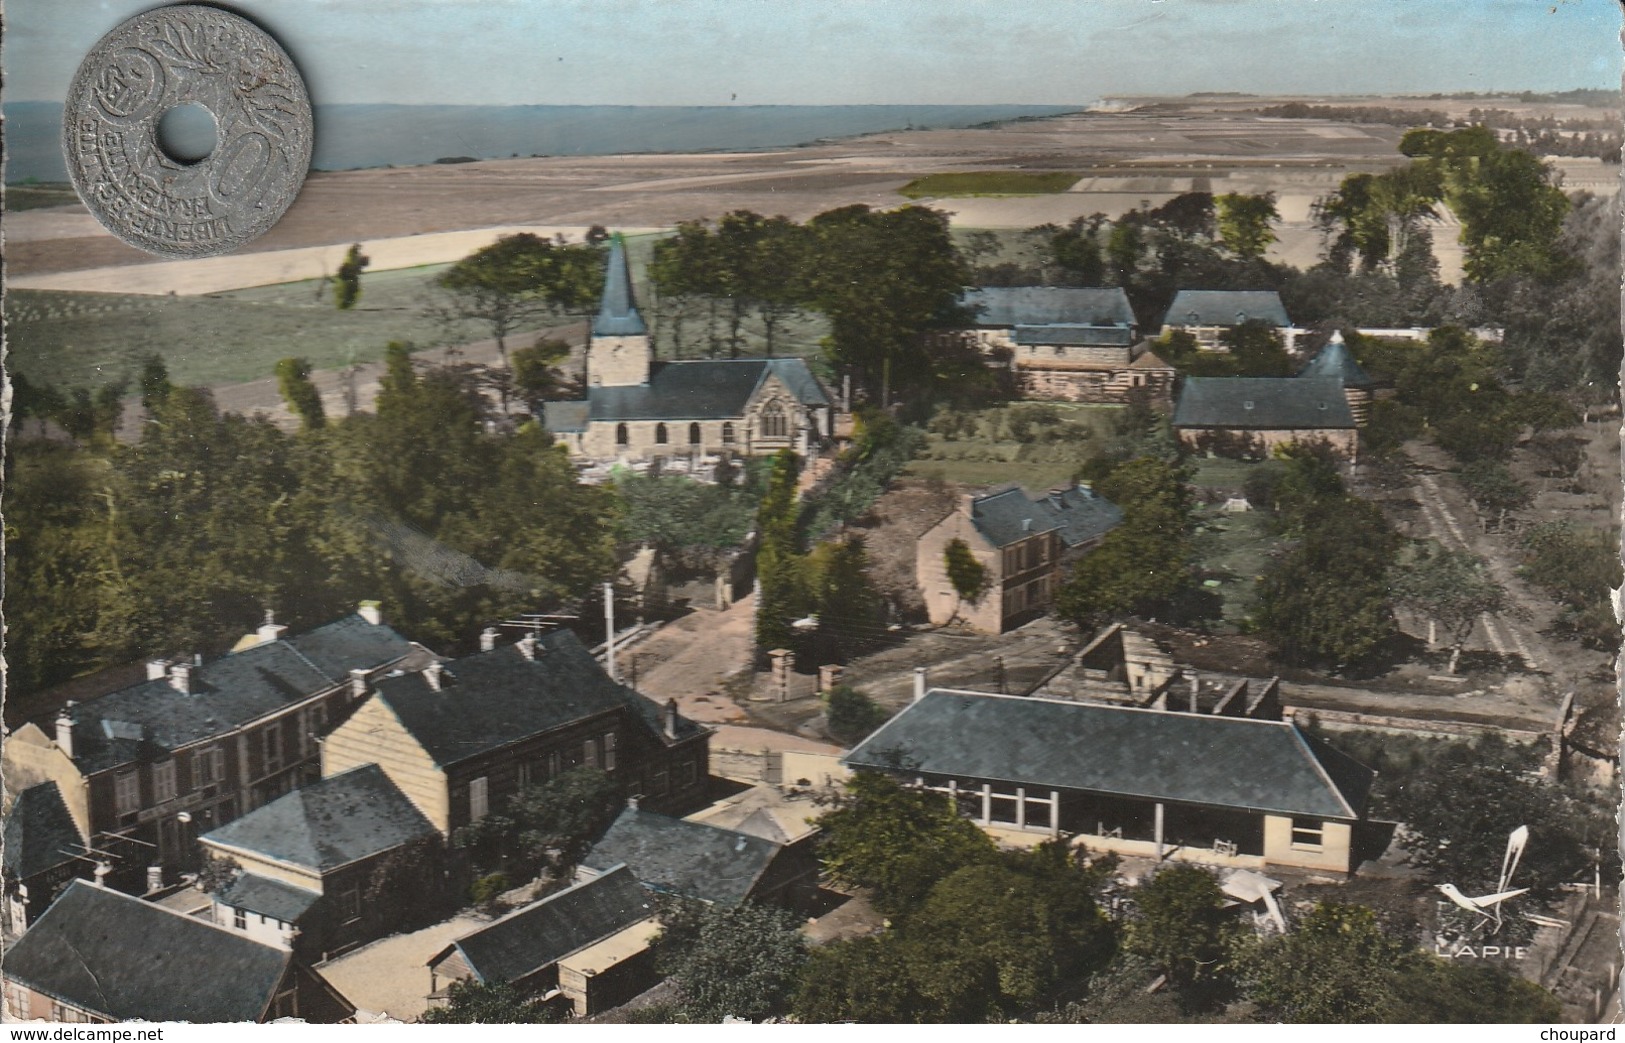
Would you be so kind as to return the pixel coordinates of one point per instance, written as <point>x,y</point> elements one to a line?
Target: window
<point>126,793</point>
<point>589,753</point>
<point>350,904</point>
<point>609,751</point>
<point>728,433</point>
<point>1308,832</point>
<point>479,801</point>
<point>163,781</point>
<point>774,422</point>
<point>286,1004</point>
<point>660,434</point>
<point>20,997</point>
<point>522,774</point>
<point>239,919</point>
<point>273,746</point>
<point>693,434</point>
<point>659,784</point>
<point>554,764</point>
<point>620,435</point>
<point>316,719</point>
<point>686,775</point>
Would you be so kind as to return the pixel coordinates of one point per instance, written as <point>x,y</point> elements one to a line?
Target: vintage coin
<point>178,56</point>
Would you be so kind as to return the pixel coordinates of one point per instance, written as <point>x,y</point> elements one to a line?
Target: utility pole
<point>609,630</point>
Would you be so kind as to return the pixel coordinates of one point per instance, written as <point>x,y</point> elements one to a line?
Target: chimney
<point>270,630</point>
<point>358,682</point>
<point>527,646</point>
<point>632,802</point>
<point>671,718</point>
<point>64,730</point>
<point>433,674</point>
<point>488,639</point>
<point>102,869</point>
<point>919,683</point>
<point>180,676</point>
<point>1196,692</point>
<point>157,669</point>
<point>155,879</point>
<point>372,612</point>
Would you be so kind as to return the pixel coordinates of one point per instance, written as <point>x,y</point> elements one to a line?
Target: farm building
<point>1207,314</point>
<point>1247,417</point>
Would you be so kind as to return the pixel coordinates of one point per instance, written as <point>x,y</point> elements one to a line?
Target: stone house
<point>639,410</point>
<point>1024,545</point>
<point>330,866</point>
<point>1166,784</point>
<point>97,955</point>
<point>587,946</point>
<point>1208,314</point>
<point>461,738</point>
<point>1068,343</point>
<point>705,862</point>
<point>146,768</point>
<point>1247,417</point>
<point>43,850</point>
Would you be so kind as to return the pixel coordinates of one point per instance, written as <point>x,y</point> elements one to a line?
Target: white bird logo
<point>1489,906</point>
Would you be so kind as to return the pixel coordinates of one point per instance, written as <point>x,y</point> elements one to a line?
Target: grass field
<point>1232,548</point>
<point>989,183</point>
<point>981,448</point>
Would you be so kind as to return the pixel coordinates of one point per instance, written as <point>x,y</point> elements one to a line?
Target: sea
<point>349,137</point>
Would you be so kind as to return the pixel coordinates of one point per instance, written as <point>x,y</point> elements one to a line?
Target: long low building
<point>1194,787</point>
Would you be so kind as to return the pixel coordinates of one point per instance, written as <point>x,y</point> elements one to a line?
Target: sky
<point>835,52</point>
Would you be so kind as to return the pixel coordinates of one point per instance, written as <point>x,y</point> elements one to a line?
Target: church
<point>642,411</point>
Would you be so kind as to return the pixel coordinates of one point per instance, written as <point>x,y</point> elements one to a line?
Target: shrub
<point>487,889</point>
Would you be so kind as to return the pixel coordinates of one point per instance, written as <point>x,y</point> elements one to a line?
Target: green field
<point>1232,548</point>
<point>980,448</point>
<point>989,183</point>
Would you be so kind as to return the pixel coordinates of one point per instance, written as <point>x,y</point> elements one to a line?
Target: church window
<point>693,434</point>
<point>660,434</point>
<point>774,422</point>
<point>728,433</point>
<point>620,434</point>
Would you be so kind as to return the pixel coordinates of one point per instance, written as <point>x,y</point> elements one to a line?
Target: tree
<point>734,961</point>
<point>967,575</point>
<point>154,383</point>
<point>300,394</point>
<point>1336,965</point>
<point>471,1002</point>
<point>897,842</point>
<point>852,715</point>
<point>1142,565</point>
<point>841,595</point>
<point>778,561</point>
<point>1495,490</point>
<point>1451,588</point>
<point>347,282</point>
<point>1076,251</point>
<point>535,370</point>
<point>1180,924</point>
<point>863,980</point>
<point>1257,350</point>
<point>1326,598</point>
<point>519,280</point>
<point>551,825</point>
<point>1244,223</point>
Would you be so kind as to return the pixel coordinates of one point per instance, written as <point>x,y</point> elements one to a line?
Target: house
<point>587,945</point>
<point>1024,544</point>
<point>329,866</point>
<point>1335,362</point>
<point>1232,791</point>
<point>1207,314</point>
<point>97,955</point>
<point>1247,417</point>
<point>146,768</point>
<point>706,862</point>
<point>1073,343</point>
<point>459,739</point>
<point>639,411</point>
<point>43,850</point>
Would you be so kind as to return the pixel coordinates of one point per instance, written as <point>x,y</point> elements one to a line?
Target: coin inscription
<point>176,56</point>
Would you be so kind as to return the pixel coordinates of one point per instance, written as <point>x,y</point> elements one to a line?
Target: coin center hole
<point>186,133</point>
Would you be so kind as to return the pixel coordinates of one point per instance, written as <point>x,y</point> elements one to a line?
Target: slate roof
<point>565,417</point>
<point>228,692</point>
<point>494,698</point>
<point>692,859</point>
<point>529,939</point>
<point>329,823</point>
<point>702,389</point>
<point>1263,403</point>
<point>1225,308</point>
<point>617,312</point>
<point>40,834</point>
<point>1048,305</point>
<point>1011,515</point>
<point>1336,362</point>
<point>116,955</point>
<point>1227,762</point>
<point>1068,334</point>
<point>273,898</point>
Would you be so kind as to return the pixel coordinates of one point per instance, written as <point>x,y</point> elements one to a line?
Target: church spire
<point>617,314</point>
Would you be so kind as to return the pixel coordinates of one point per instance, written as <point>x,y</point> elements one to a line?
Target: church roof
<point>1050,305</point>
<point>705,389</point>
<point>1226,308</point>
<point>617,312</point>
<point>1335,361</point>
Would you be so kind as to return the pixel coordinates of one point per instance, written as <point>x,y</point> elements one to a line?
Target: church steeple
<point>619,354</point>
<point>617,313</point>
